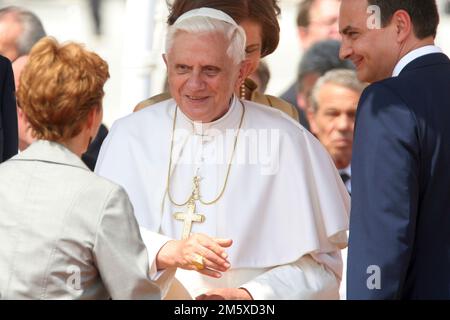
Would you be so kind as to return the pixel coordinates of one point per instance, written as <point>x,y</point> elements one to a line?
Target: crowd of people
<point>217,189</point>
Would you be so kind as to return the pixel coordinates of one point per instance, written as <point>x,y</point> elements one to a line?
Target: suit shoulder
<point>406,92</point>
<point>79,180</point>
<point>383,90</point>
<point>424,73</point>
<point>383,98</point>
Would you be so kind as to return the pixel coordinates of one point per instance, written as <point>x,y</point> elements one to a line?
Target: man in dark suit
<point>8,116</point>
<point>400,221</point>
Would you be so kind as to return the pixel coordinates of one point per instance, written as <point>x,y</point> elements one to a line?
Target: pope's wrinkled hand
<point>199,252</point>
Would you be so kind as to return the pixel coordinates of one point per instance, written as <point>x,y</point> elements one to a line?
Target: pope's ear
<point>164,56</point>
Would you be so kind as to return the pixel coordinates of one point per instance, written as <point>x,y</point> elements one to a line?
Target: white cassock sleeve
<point>305,279</point>
<point>154,242</point>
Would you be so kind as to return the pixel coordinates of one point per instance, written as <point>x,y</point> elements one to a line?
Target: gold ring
<point>198,262</point>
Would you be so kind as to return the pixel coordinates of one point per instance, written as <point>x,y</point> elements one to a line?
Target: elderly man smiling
<point>282,229</point>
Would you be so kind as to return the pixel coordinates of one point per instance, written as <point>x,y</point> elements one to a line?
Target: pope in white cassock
<point>235,197</point>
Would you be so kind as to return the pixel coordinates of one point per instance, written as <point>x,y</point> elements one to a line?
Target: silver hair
<point>201,24</point>
<point>342,77</point>
<point>33,29</point>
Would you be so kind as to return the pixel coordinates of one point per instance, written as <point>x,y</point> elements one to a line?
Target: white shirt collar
<point>348,183</point>
<point>347,170</point>
<point>413,55</point>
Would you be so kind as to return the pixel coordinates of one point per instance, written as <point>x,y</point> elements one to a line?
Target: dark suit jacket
<point>9,141</point>
<point>91,155</point>
<point>400,217</point>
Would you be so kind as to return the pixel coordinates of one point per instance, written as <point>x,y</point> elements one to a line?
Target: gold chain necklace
<point>195,196</point>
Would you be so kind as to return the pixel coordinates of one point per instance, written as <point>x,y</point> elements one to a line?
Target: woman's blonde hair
<point>59,86</point>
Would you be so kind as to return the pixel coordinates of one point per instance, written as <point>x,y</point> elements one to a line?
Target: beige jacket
<point>66,233</point>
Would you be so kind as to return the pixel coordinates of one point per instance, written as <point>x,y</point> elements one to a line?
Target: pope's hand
<point>226,294</point>
<point>198,249</point>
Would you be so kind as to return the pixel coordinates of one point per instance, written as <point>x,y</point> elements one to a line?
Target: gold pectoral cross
<point>190,216</point>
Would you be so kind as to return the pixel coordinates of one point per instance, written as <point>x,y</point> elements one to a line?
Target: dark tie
<point>345,177</point>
